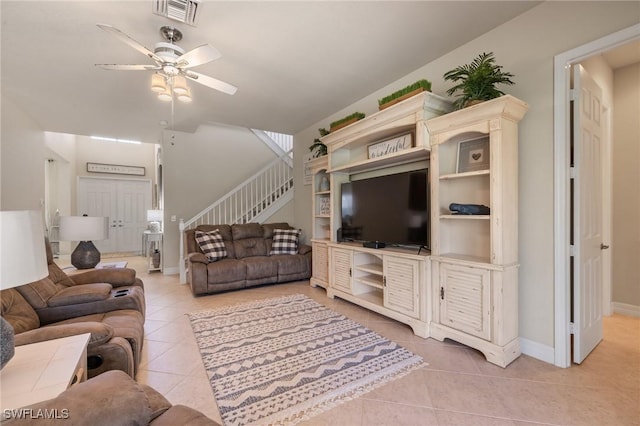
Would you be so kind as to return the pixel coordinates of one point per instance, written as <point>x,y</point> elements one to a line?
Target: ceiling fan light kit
<point>180,85</point>
<point>157,83</point>
<point>172,68</point>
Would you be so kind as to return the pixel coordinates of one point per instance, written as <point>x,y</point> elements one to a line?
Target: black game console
<point>374,244</point>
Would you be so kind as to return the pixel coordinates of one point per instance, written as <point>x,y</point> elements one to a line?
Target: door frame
<point>562,198</point>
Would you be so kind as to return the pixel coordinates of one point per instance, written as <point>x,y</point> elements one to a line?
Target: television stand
<point>391,281</point>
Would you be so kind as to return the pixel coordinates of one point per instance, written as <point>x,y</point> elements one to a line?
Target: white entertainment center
<point>466,288</point>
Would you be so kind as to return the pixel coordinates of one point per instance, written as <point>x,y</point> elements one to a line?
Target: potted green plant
<point>477,80</point>
<point>317,147</point>
<point>404,93</point>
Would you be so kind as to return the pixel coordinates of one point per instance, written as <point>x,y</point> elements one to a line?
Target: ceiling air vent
<point>180,10</point>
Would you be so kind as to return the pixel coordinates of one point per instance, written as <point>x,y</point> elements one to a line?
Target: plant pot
<point>473,102</point>
<point>401,98</point>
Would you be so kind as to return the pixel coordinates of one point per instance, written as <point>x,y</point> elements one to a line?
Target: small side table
<point>152,241</point>
<point>43,370</point>
<point>70,270</point>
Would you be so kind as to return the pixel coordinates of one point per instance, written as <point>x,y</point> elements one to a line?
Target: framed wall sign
<point>473,155</point>
<point>390,146</point>
<point>115,169</point>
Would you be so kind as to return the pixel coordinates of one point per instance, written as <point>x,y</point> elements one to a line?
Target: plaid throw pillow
<point>285,241</point>
<point>211,244</point>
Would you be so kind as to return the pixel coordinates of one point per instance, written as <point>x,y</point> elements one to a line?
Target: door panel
<point>587,215</point>
<point>125,202</point>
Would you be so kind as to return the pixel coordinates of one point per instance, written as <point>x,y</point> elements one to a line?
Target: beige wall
<point>626,181</point>
<point>525,46</point>
<point>22,156</point>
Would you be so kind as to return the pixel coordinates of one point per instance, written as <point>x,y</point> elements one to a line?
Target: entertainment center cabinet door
<point>340,264</point>
<point>465,299</point>
<point>402,279</point>
<point>320,265</point>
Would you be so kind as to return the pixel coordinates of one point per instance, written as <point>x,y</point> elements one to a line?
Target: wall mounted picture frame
<point>390,146</point>
<point>473,155</point>
<point>115,169</point>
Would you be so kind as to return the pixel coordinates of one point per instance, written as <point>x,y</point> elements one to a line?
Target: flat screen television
<point>393,209</point>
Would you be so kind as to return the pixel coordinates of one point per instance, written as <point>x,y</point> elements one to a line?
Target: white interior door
<point>125,202</point>
<point>134,199</point>
<point>587,215</point>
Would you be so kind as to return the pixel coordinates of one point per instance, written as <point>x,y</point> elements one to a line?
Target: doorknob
<point>603,246</point>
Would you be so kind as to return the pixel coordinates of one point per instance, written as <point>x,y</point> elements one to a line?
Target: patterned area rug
<point>283,360</point>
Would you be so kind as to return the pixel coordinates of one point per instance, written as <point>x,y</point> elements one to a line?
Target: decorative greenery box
<point>343,122</point>
<point>405,93</point>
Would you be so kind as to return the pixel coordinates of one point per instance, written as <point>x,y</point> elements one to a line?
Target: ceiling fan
<point>172,63</point>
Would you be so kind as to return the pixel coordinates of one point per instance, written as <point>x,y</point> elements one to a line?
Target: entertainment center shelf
<point>466,287</point>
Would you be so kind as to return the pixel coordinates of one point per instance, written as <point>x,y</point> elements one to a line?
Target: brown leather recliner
<point>116,336</point>
<point>107,303</point>
<point>59,297</point>
<point>109,399</point>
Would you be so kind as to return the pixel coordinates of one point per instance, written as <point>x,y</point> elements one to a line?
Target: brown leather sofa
<point>248,262</point>
<point>112,398</point>
<point>108,303</point>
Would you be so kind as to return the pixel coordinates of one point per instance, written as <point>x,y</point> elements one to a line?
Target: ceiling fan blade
<point>128,40</point>
<point>198,56</point>
<point>129,67</point>
<point>211,82</point>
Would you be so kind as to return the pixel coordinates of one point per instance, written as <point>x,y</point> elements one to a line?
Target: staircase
<point>254,200</point>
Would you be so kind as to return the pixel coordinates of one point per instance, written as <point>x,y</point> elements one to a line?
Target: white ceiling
<point>293,62</point>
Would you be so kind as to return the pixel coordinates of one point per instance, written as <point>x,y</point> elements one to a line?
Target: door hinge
<point>441,293</point>
<point>384,281</point>
<point>572,328</point>
<point>572,172</point>
<point>350,272</point>
<point>572,94</point>
<point>572,250</point>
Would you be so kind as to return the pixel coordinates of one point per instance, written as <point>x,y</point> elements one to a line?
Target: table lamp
<point>23,260</point>
<point>154,217</point>
<point>84,229</point>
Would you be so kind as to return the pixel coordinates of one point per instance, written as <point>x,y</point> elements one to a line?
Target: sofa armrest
<point>197,258</point>
<point>107,399</point>
<point>100,333</point>
<point>84,293</point>
<point>304,249</point>
<point>117,277</point>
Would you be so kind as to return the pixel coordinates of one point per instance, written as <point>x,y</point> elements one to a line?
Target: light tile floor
<point>458,387</point>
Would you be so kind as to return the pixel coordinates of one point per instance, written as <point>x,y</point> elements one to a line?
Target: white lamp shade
<point>84,228</point>
<point>185,97</point>
<point>180,85</point>
<point>154,215</point>
<point>23,257</point>
<point>158,84</point>
<point>165,96</point>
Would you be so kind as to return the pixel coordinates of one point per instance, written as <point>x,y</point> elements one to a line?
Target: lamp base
<point>85,256</point>
<point>7,349</point>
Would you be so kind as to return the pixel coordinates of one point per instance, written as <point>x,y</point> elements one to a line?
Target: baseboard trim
<point>625,309</point>
<point>537,350</point>
<point>171,271</point>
